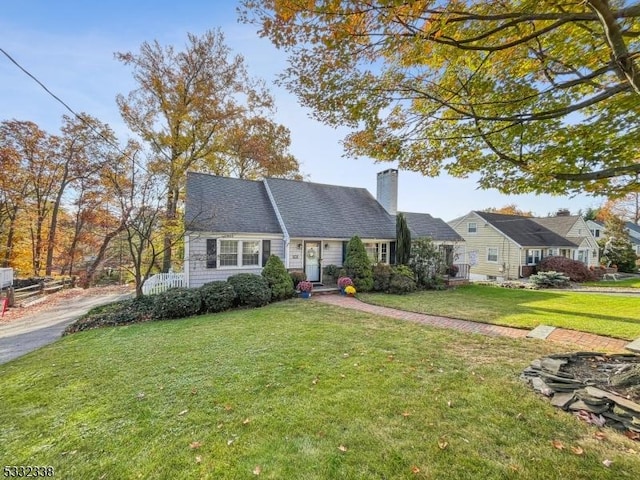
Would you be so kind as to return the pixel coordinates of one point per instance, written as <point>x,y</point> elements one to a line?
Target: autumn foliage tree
<point>534,95</point>
<point>192,108</point>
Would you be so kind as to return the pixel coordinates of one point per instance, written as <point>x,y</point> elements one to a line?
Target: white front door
<point>311,261</point>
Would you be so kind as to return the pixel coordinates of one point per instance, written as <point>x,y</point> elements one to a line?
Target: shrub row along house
<point>233,225</point>
<point>503,247</point>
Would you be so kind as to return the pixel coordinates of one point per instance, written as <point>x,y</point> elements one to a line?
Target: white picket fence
<point>162,282</point>
<point>6,277</point>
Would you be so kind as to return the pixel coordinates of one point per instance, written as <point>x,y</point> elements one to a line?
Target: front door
<point>312,261</point>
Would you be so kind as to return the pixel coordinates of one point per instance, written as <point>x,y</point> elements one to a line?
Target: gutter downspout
<point>287,239</point>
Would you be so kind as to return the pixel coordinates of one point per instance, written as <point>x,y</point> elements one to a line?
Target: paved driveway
<point>32,332</point>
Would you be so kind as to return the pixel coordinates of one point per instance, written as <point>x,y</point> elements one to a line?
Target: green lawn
<point>296,390</point>
<point>615,316</point>
<point>625,283</point>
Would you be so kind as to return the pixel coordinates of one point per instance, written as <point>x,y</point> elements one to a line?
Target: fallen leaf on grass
<point>406,414</point>
<point>314,381</point>
<point>415,470</point>
<point>449,403</point>
<point>577,450</point>
<point>194,391</point>
<point>257,470</point>
<point>140,396</point>
<point>246,421</point>
<point>442,443</point>
<point>600,436</point>
<point>607,463</point>
<point>183,412</point>
<point>342,448</point>
<point>198,459</point>
<point>632,435</point>
<point>228,408</point>
<point>230,441</point>
<point>194,445</point>
<point>557,444</point>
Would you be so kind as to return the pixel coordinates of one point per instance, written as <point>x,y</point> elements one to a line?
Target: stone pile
<point>582,383</point>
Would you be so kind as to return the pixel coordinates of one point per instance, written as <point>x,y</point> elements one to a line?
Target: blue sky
<point>69,45</point>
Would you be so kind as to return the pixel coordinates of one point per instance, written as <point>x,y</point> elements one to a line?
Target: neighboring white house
<point>503,247</point>
<point>233,225</point>
<point>633,230</point>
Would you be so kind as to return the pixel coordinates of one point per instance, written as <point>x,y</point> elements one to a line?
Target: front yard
<point>610,315</point>
<point>294,390</point>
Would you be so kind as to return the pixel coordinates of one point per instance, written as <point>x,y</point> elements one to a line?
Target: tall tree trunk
<point>10,234</point>
<point>169,236</point>
<point>51,238</point>
<point>91,271</point>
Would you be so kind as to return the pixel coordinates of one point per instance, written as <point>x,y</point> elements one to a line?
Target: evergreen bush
<point>401,284</point>
<point>278,279</point>
<point>251,290</point>
<point>381,277</point>
<point>549,279</point>
<point>123,312</point>
<point>177,303</point>
<point>217,296</point>
<point>358,266</point>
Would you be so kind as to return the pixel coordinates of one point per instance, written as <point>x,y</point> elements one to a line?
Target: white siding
<point>198,273</point>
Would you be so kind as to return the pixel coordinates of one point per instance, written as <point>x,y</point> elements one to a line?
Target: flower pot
<point>305,294</point>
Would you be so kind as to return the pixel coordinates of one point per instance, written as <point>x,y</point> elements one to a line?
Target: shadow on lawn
<point>595,316</point>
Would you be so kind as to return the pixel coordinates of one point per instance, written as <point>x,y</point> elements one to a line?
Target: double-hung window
<point>238,253</point>
<point>533,256</point>
<point>492,254</point>
<point>377,252</point>
<point>472,227</point>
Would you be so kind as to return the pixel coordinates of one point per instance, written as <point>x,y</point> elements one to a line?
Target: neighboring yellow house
<point>503,247</point>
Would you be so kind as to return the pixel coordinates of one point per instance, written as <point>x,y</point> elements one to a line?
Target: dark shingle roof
<point>525,231</point>
<point>329,211</point>
<point>561,224</point>
<point>223,204</point>
<point>424,225</point>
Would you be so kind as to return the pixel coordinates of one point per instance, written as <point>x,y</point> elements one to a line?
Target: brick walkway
<point>559,335</point>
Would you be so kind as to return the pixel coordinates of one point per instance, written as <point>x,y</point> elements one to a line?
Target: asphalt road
<point>32,332</point>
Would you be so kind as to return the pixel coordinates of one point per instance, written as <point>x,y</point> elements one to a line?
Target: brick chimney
<point>387,191</point>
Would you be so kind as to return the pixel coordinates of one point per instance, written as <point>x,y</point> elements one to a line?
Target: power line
<point>73,112</point>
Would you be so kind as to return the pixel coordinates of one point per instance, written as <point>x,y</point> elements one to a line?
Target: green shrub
<point>124,312</point>
<point>297,276</point>
<point>278,278</point>
<point>426,263</point>
<point>217,296</point>
<point>358,266</point>
<point>574,269</point>
<point>404,271</point>
<point>549,279</point>
<point>331,273</point>
<point>177,303</point>
<point>401,284</point>
<point>381,277</point>
<point>251,290</point>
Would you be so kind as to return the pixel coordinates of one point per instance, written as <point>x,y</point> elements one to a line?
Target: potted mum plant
<point>350,291</point>
<point>344,282</point>
<point>305,288</point>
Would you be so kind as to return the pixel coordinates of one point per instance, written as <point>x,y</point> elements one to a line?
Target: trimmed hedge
<point>358,266</point>
<point>217,296</point>
<point>574,269</point>
<point>251,290</point>
<point>177,303</point>
<point>124,312</point>
<point>381,277</point>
